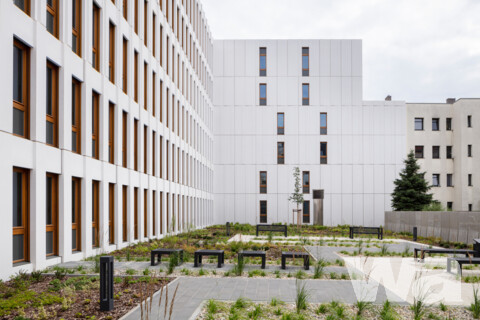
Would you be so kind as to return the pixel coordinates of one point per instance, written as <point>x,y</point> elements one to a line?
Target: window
<point>145,149</point>
<point>125,9</point>
<point>449,180</point>
<point>435,124</point>
<point>52,17</point>
<point>154,35</point>
<point>449,152</point>
<point>135,145</point>
<point>153,153</point>
<point>145,85</point>
<point>95,124</point>
<point>323,153</point>
<point>21,216</point>
<point>76,215</point>
<point>263,211</point>
<point>161,212</point>
<point>24,5</point>
<point>263,62</point>
<point>96,37</point>
<point>323,123</point>
<point>305,94</point>
<point>161,101</point>
<point>470,180</point>
<point>124,213</point>
<point>306,211</point>
<point>125,66</point>
<point>436,180</point>
<point>469,121</point>
<point>77,27</point>
<point>154,81</point>
<point>76,116</point>
<point>280,152</point>
<point>111,133</point>
<point>470,207</point>
<point>136,15</point>
<point>145,213</point>
<point>280,123</point>
<point>111,53</point>
<point>111,213</point>
<point>263,181</point>
<point>419,152</point>
<point>469,151</point>
<point>436,152</point>
<point>449,206</point>
<point>305,62</point>
<point>124,138</point>
<point>263,94</point>
<point>154,214</point>
<point>448,125</point>
<point>52,105</point>
<point>161,157</point>
<point>21,89</point>
<point>135,77</point>
<point>135,214</point>
<point>418,124</point>
<point>306,181</point>
<point>95,214</point>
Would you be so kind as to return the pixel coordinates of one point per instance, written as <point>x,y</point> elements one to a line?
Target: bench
<point>460,263</point>
<point>272,228</point>
<point>430,251</point>
<point>261,254</point>
<point>293,255</point>
<point>366,230</point>
<point>200,253</point>
<point>159,252</point>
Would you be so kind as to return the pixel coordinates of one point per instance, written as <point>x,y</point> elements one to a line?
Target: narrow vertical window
<point>436,180</point>
<point>145,85</point>
<point>145,23</point>
<point>154,34</point>
<point>135,145</point>
<point>96,37</point>
<point>167,158</point>
<point>111,53</point>
<point>263,211</point>
<point>435,124</point>
<point>469,121</point>
<point>21,216</point>
<point>305,94</point>
<point>135,76</point>
<point>125,66</point>
<point>135,214</point>
<point>125,9</point>
<point>124,138</point>
<point>154,214</point>
<point>145,149</point>
<point>167,51</point>
<point>263,62</point>
<point>449,154</point>
<point>469,150</point>
<point>263,94</point>
<point>435,152</point>
<point>76,215</point>
<point>161,157</point>
<point>52,17</point>
<point>136,15</point>
<point>280,123</point>
<point>153,153</point>
<point>21,89</point>
<point>23,5</point>
<point>280,152</point>
<point>145,213</point>
<point>323,123</point>
<point>154,80</point>
<point>95,214</point>
<point>263,181</point>
<point>111,133</point>
<point>449,180</point>
<point>161,212</point>
<point>51,137</point>
<point>161,46</point>
<point>161,101</point>
<point>124,213</point>
<point>323,153</point>
<point>77,27</point>
<point>419,152</point>
<point>306,211</point>
<point>95,124</point>
<point>76,116</point>
<point>305,62</point>
<point>111,213</point>
<point>470,180</point>
<point>449,124</point>
<point>306,181</point>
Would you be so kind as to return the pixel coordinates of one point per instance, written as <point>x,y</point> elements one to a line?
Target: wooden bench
<point>460,262</point>
<point>272,228</point>
<point>366,230</point>
<point>430,251</point>
<point>293,255</point>
<point>260,254</point>
<point>200,253</point>
<point>159,252</point>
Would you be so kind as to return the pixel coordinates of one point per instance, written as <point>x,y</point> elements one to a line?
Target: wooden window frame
<point>54,11</point>
<point>77,27</point>
<point>154,218</point>
<point>154,96</point>
<point>264,216</point>
<point>263,100</point>
<point>124,138</point>
<point>161,212</point>
<point>136,16</point>
<point>95,125</point>
<point>324,158</point>
<point>161,101</point>
<point>145,23</point>
<point>305,186</point>
<point>24,105</point>
<point>125,66</point>
<point>154,34</point>
<point>306,100</point>
<point>96,37</point>
<point>262,72</point>
<point>135,213</point>
<point>161,44</point>
<point>111,52</point>
<point>135,144</point>
<point>306,71</point>
<point>153,153</point>
<point>145,213</point>
<point>280,129</point>
<point>77,213</point>
<point>145,149</point>
<point>77,115</point>
<point>27,6</point>
<point>306,215</point>
<point>124,213</point>
<point>25,228</point>
<point>280,157</point>
<point>263,187</point>
<point>145,85</point>
<point>111,213</point>
<point>135,76</point>
<point>111,133</point>
<point>323,129</point>
<point>95,214</point>
<point>161,157</point>
<point>53,118</point>
<point>125,9</point>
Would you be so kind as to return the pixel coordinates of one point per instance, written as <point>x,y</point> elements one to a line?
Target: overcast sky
<point>414,50</point>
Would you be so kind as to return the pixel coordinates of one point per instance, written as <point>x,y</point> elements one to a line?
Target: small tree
<point>411,189</point>
<point>297,195</point>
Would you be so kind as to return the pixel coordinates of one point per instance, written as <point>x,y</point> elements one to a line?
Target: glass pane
<point>323,120</point>
<point>74,201</point>
<point>49,133</point>
<point>18,122</point>
<point>93,237</point>
<point>263,73</point>
<point>50,3</point>
<point>18,247</point>
<point>21,5</point>
<point>263,91</point>
<point>74,14</point>
<point>49,91</point>
<point>305,50</point>
<point>93,148</point>
<point>17,74</point>
<point>280,120</point>
<point>304,62</point>
<point>74,141</point>
<point>94,59</point>
<point>323,130</point>
<point>263,62</point>
<point>418,124</point>
<point>49,201</point>
<point>49,242</point>
<point>263,179</point>
<point>306,179</point>
<point>17,200</point>
<point>323,149</point>
<point>263,50</point>
<point>305,91</point>
<point>50,22</point>
<point>74,43</point>
<point>74,239</point>
<point>280,149</point>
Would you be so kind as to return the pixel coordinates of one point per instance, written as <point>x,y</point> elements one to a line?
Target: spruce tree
<point>411,189</point>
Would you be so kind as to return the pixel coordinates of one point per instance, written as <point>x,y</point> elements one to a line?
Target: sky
<point>413,50</point>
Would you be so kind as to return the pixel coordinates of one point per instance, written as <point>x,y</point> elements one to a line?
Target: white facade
<point>365,140</point>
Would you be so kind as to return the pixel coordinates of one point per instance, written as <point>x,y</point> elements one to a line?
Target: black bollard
<point>228,229</point>
<point>415,234</point>
<point>106,283</point>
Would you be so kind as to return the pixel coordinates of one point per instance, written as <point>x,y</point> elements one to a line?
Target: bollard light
<point>106,283</point>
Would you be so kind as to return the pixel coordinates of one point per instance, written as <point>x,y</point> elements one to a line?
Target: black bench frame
<point>304,255</point>
<point>423,251</point>
<point>461,262</point>
<point>159,252</point>
<point>261,254</point>
<point>220,254</point>
<point>272,228</point>
<point>367,230</point>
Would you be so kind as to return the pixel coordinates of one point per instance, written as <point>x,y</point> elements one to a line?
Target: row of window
<point>264,211</point>
<point>436,123</point>
<point>436,180</point>
<point>21,214</point>
<point>305,61</point>
<point>281,152</point>
<point>450,206</point>
<point>281,123</point>
<point>305,182</point>
<point>263,94</point>
<point>419,152</point>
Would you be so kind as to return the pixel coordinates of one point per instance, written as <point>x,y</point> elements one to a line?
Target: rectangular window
<point>263,62</point>
<point>469,151</point>
<point>449,124</point>
<point>436,152</point>
<point>306,181</point>
<point>161,101</point>
<point>95,214</point>
<point>470,180</point>
<point>145,213</point>
<point>135,214</point>
<point>449,206</point>
<point>21,215</point>
<point>263,94</point>
<point>263,181</point>
<point>124,213</point>
<point>436,180</point>
<point>305,94</point>
<point>77,27</point>
<point>161,212</point>
<point>111,53</point>
<point>24,5</point>
<point>470,207</point>
<point>161,157</point>
<point>76,214</point>
<point>153,153</point>
<point>323,153</point>
<point>469,121</point>
<point>51,137</point>
<point>125,66</point>
<point>305,62</point>
<point>418,124</point>
<point>135,77</point>
<point>111,213</point>
<point>435,124</point>
<point>135,145</point>
<point>154,214</point>
<point>124,138</point>
<point>125,9</point>
<point>95,124</point>
<point>154,35</point>
<point>52,17</point>
<point>280,152</point>
<point>154,81</point>
<point>323,123</point>
<point>145,85</point>
<point>21,89</point>
<point>136,15</point>
<point>145,149</point>
<point>306,211</point>
<point>145,23</point>
<point>419,152</point>
<point>449,180</point>
<point>263,211</point>
<point>111,133</point>
<point>51,214</point>
<point>76,116</point>
<point>96,37</point>
<point>280,123</point>
<point>449,152</point>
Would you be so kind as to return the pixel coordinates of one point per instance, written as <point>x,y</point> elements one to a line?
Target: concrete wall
<point>455,226</point>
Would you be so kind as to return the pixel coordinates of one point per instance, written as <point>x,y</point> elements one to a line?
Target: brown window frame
<point>24,105</point>
<point>324,158</point>
<point>96,37</point>
<point>111,133</point>
<point>124,138</point>
<point>263,100</point>
<point>323,129</point>
<point>95,125</point>
<point>161,212</point>
<point>306,215</point>
<point>154,96</point>
<point>306,71</point>
<point>135,76</point>
<point>161,157</point>
<point>280,157</point>
<point>145,85</point>
<point>145,213</point>
<point>262,72</point>
<point>125,9</point>
<point>95,214</point>
<point>161,101</point>
<point>111,52</point>
<point>135,213</point>
<point>305,187</point>
<point>145,23</point>
<point>53,117</point>
<point>264,216</point>
<point>24,229</point>
<point>306,100</point>
<point>135,144</point>
<point>125,66</point>
<point>76,116</point>
<point>77,27</point>
<point>280,129</point>
<point>153,153</point>
<point>136,16</point>
<point>263,187</point>
<point>53,10</point>
<point>145,149</point>
<point>26,8</point>
<point>154,34</point>
<point>154,220</point>
<point>111,213</point>
<point>124,213</point>
<point>77,213</point>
